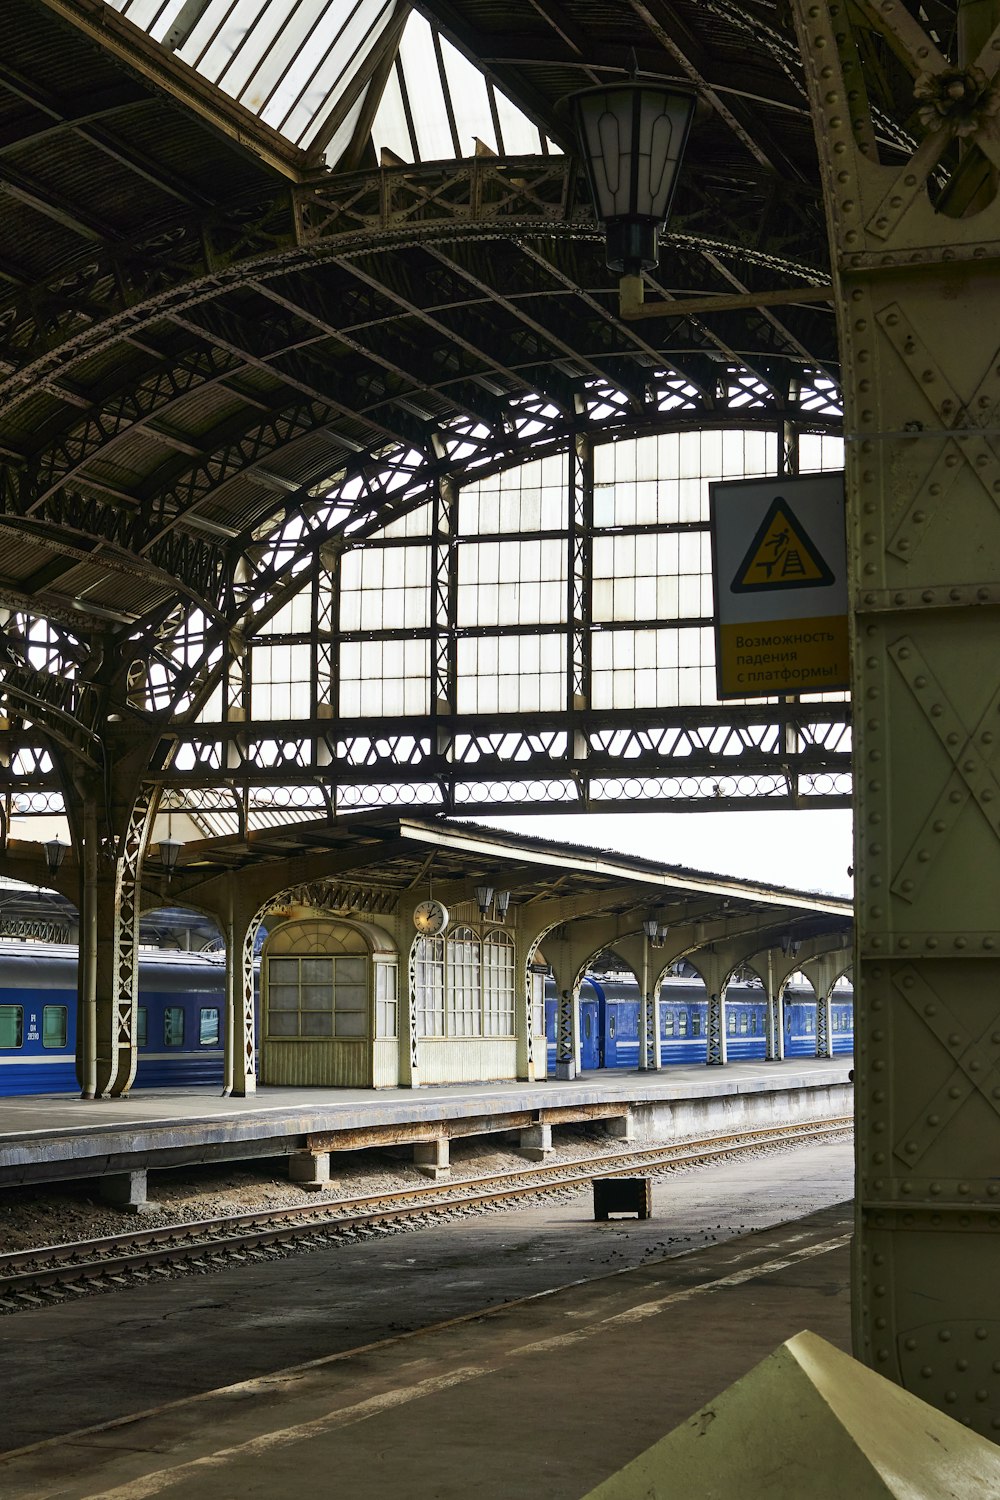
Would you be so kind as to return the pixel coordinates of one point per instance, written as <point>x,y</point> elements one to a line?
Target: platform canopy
<point>330,476</point>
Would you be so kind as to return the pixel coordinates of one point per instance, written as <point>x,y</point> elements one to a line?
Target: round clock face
<point>430,918</point>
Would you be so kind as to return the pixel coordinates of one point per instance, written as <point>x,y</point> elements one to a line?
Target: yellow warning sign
<point>781,556</point>
<point>783,656</point>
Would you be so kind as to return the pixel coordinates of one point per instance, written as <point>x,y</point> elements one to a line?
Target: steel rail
<point>209,1243</point>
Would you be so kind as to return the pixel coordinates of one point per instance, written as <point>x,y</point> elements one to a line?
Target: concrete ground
<point>545,1397</point>
<point>104,1357</point>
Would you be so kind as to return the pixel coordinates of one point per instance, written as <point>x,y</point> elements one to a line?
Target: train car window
<point>208,1026</point>
<point>682,1023</point>
<point>810,1023</point>
<point>731,1027</point>
<point>54,1023</point>
<point>668,1023</point>
<point>611,1023</point>
<point>142,1027</point>
<point>173,1026</point>
<point>696,1024</point>
<point>744,1024</point>
<point>11,1025</point>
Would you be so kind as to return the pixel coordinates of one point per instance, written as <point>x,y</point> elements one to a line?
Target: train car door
<point>590,1052</point>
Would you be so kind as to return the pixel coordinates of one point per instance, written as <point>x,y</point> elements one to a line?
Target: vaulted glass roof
<point>320,71</point>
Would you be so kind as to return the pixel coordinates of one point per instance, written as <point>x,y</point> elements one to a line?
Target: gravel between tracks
<point>34,1217</point>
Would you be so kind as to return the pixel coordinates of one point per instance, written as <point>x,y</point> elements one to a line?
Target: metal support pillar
<point>651,1052</point>
<point>822,973</point>
<point>567,1028</point>
<point>111,874</point>
<point>524,1008</point>
<point>774,1014</point>
<point>716,1042</point>
<point>915,246</point>
<point>242,1017</point>
<point>409,1049</point>
<point>715,970</point>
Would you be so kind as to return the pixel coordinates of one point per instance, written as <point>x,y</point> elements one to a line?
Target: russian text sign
<point>779,567</point>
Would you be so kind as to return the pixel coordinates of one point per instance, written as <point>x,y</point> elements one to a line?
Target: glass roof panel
<point>291,62</point>
<point>470,102</point>
<point>300,65</point>
<point>422,81</point>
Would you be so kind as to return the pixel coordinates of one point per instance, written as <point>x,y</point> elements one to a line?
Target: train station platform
<point>46,1138</point>
<point>546,1395</point>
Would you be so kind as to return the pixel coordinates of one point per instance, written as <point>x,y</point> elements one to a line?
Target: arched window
<point>498,983</point>
<point>464,986</point>
<point>463,983</point>
<point>428,985</point>
<point>317,981</point>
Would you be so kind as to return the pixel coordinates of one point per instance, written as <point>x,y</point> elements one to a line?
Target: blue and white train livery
<point>180,1020</point>
<point>609,1021</point>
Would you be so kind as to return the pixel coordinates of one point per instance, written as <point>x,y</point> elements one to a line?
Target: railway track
<point>38,1276</point>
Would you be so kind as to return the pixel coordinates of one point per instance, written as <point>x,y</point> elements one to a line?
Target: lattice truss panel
<point>541,634</point>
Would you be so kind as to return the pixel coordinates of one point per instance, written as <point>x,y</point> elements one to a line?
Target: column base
<point>535,1143</point>
<point>310,1170</point>
<point>126,1191</point>
<point>433,1159</point>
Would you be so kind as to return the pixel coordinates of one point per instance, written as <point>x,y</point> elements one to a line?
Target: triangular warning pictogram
<point>781,556</point>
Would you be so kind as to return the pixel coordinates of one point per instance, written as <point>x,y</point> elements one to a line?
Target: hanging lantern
<point>632,136</point>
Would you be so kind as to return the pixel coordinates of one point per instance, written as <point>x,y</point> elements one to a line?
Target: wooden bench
<point>623,1195</point>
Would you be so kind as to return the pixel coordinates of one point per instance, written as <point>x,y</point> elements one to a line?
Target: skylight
<point>307,69</point>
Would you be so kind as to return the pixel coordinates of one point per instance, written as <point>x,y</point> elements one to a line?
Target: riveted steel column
<point>917,306</point>
<point>774,1014</point>
<point>567,1059</point>
<point>244,1078</point>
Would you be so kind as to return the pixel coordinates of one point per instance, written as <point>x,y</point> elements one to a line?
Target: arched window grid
<point>465,984</point>
<point>647,611</point>
<point>428,977</point>
<point>498,983</point>
<point>386,999</point>
<point>316,984</point>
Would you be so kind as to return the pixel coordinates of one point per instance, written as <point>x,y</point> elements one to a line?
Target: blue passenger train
<point>180,1020</point>
<point>609,1021</point>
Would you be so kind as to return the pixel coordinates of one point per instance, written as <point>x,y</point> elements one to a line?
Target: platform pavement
<point>544,1396</point>
<point>47,1137</point>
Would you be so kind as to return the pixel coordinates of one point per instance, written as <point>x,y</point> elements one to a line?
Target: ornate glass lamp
<point>633,136</point>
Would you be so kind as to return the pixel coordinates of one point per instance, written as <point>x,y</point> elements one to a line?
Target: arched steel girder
<point>386,496</point>
<point>383,490</point>
<point>278,572</point>
<point>358,301</point>
<point>105,291</point>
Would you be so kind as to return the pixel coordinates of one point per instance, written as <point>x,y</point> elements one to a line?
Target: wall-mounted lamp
<point>484,898</point>
<point>502,902</point>
<point>55,853</point>
<point>632,137</point>
<point>655,932</point>
<point>169,851</point>
<point>789,945</point>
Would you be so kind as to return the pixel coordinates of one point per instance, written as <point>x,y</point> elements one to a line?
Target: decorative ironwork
<point>715,1033</point>
<point>125,963</point>
<point>567,1004</point>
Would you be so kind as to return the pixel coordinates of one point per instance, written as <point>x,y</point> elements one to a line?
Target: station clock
<point>430,918</point>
